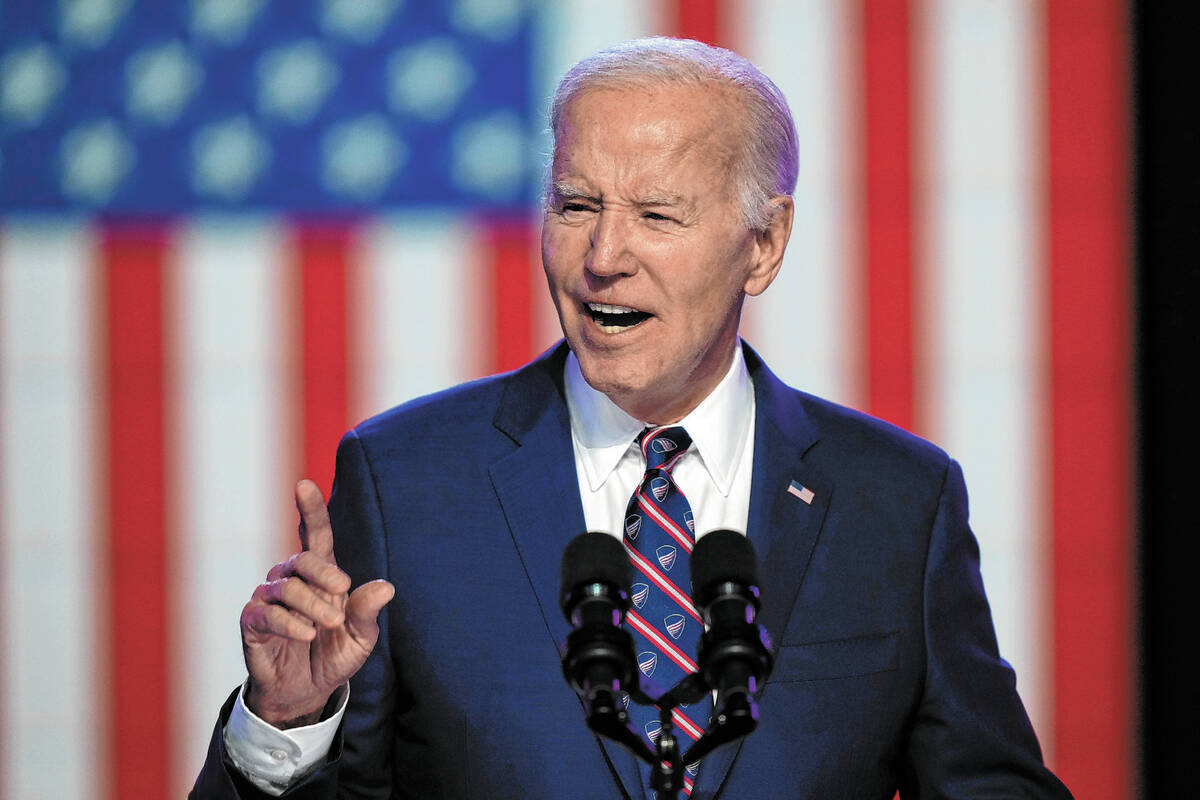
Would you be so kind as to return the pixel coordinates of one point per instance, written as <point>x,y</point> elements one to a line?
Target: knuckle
<point>306,560</point>
<point>283,587</point>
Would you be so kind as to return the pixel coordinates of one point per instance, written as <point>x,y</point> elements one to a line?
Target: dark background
<point>1167,94</point>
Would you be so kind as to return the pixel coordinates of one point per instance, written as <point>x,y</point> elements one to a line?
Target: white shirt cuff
<point>274,759</point>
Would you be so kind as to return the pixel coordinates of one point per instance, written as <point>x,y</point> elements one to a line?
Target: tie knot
<point>661,446</point>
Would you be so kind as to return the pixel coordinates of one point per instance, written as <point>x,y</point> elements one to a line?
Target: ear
<point>769,244</point>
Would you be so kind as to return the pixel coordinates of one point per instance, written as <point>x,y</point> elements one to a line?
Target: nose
<point>609,255</point>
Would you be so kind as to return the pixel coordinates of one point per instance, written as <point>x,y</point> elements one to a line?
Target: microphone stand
<point>729,662</point>
<point>733,655</point>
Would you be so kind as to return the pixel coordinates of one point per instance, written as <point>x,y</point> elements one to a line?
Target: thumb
<point>364,605</point>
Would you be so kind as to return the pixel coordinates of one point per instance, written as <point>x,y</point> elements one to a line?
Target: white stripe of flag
<point>979,232</point>
<point>233,478</point>
<point>50,519</point>
<point>806,325</point>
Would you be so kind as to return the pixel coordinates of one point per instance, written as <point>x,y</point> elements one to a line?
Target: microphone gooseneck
<point>734,656</point>
<point>599,663</point>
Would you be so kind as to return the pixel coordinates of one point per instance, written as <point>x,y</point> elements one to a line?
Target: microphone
<point>594,596</point>
<point>734,655</point>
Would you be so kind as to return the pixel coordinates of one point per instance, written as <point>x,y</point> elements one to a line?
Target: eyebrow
<point>563,191</point>
<point>663,199</point>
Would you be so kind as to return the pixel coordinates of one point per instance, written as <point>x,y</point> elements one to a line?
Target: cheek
<point>559,249</point>
<point>552,258</point>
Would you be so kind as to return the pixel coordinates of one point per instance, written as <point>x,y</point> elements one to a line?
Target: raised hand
<point>303,635</point>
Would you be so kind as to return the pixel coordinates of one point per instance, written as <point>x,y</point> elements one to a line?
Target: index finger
<point>316,532</point>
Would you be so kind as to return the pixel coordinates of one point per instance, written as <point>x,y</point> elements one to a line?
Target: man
<point>668,203</point>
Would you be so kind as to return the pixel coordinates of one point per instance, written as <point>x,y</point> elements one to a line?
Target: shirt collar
<point>719,426</point>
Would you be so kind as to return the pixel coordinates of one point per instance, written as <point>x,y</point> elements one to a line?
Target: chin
<point>606,373</point>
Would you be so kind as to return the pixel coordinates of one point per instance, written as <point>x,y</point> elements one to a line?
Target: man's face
<point>646,254</point>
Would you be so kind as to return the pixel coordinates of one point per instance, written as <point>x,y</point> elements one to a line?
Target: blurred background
<point>230,229</point>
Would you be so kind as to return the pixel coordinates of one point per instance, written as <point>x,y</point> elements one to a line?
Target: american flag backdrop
<point>230,229</point>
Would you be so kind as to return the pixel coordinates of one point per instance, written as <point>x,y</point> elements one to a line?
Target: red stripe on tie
<point>687,786</point>
<point>887,194</point>
<point>1091,411</point>
<point>133,259</point>
<point>665,522</point>
<point>671,651</point>
<point>322,255</point>
<point>660,580</point>
<point>685,724</point>
<point>670,463</point>
<point>647,439</point>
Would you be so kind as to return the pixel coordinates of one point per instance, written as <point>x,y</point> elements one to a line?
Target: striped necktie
<point>659,536</point>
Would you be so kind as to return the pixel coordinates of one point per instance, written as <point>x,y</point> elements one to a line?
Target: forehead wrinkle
<point>709,134</point>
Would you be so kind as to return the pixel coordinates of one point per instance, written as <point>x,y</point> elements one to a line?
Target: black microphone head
<point>593,558</point>
<point>721,557</point>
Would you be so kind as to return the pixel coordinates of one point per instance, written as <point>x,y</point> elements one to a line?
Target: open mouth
<point>612,318</point>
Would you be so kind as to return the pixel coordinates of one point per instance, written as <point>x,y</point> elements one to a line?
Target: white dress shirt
<point>714,474</point>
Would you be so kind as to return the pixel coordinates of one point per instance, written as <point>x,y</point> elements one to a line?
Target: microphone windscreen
<point>723,556</point>
<point>595,558</point>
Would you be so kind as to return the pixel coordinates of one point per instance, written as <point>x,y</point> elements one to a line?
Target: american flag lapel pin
<point>803,492</point>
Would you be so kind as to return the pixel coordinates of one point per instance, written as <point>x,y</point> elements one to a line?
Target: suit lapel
<point>783,527</point>
<point>541,504</point>
<point>540,499</point>
<point>788,500</point>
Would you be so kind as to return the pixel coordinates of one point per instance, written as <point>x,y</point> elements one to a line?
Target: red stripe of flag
<point>702,20</point>
<point>656,638</point>
<point>510,248</point>
<point>664,583</point>
<point>321,257</point>
<point>133,261</point>
<point>887,211</point>
<point>1090,405</point>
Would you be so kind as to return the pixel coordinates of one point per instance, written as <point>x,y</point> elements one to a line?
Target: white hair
<point>767,160</point>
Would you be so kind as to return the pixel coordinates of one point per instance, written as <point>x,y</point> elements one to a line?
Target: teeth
<point>605,308</point>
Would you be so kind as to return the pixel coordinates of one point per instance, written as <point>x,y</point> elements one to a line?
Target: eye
<point>655,216</point>
<point>575,208</point>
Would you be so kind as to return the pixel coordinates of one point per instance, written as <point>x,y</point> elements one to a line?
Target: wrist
<point>294,715</point>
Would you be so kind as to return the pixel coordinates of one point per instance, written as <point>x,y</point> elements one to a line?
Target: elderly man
<point>668,203</point>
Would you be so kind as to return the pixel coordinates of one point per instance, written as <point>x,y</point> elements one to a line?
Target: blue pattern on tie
<point>659,536</point>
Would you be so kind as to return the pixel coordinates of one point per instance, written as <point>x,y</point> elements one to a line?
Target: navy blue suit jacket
<point>886,672</point>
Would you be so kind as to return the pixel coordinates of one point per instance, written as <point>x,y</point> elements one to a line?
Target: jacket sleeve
<point>971,736</point>
<point>360,546</point>
<point>220,780</point>
<point>361,769</point>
